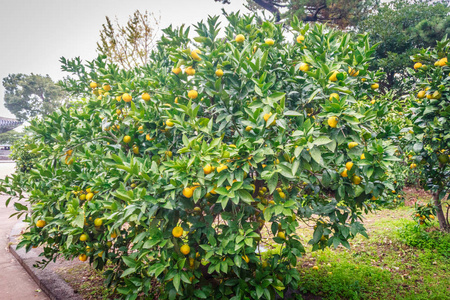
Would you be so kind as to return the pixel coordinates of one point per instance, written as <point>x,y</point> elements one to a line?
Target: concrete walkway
<point>15,283</point>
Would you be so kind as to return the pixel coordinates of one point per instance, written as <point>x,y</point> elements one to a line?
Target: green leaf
<point>322,140</point>
<point>130,262</point>
<point>79,221</point>
<point>200,294</point>
<point>316,155</point>
<point>245,196</point>
<point>128,272</point>
<point>19,207</point>
<point>272,183</point>
<point>293,113</point>
<point>176,281</point>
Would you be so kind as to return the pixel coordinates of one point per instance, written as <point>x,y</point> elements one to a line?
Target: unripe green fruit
<point>443,159</point>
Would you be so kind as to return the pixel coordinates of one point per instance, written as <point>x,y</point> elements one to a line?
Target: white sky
<point>34,34</point>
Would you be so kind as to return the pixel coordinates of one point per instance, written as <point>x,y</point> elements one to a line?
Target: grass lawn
<point>398,261</point>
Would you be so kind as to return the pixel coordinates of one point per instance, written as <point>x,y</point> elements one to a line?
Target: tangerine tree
<point>181,173</point>
<point>431,118</point>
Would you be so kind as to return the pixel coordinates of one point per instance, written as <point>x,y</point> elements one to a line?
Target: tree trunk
<point>443,223</point>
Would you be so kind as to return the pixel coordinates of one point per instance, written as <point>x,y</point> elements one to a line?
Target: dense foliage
<point>403,28</point>
<point>184,170</point>
<point>430,115</point>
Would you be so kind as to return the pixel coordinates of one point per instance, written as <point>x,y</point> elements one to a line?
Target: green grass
<point>398,261</point>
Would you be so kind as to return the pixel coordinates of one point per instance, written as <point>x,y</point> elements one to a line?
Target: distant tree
<point>341,13</point>
<point>28,96</point>
<point>9,137</point>
<point>403,27</point>
<point>129,45</point>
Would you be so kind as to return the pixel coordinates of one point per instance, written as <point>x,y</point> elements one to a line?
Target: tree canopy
<point>402,28</point>
<point>28,96</point>
<point>342,13</point>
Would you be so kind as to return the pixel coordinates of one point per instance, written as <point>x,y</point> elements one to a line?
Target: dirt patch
<point>86,281</point>
<point>414,195</point>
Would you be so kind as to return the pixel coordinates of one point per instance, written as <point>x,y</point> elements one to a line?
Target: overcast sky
<point>34,34</point>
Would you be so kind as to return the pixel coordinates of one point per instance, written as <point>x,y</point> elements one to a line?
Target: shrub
<point>180,178</point>
<point>430,115</point>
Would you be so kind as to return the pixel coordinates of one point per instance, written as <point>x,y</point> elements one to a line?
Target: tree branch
<point>270,6</point>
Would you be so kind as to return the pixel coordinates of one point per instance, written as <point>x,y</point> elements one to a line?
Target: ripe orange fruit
<point>126,97</point>
<point>334,96</point>
<point>344,173</point>
<point>169,123</point>
<point>89,196</point>
<point>248,128</point>
<point>176,70</point>
<point>353,72</point>
<point>363,156</point>
<point>374,86</point>
<point>333,76</point>
<point>245,258</point>
<point>195,53</point>
<point>106,87</point>
<point>417,65</point>
<point>190,71</point>
<point>82,197</point>
<point>93,84</point>
<point>219,73</point>
<point>185,249</point>
<point>281,235</point>
<point>192,94</point>
<point>41,223</point>
<point>177,231</point>
<point>114,235</point>
<point>356,179</point>
<point>83,237</point>
<point>267,116</point>
<point>221,168</point>
<point>135,149</point>
<point>332,122</point>
<point>349,165</point>
<point>207,169</point>
<point>421,94</point>
<point>269,42</point>
<point>188,192</point>
<point>127,139</point>
<point>352,145</point>
<point>98,222</point>
<point>240,38</point>
<point>300,38</point>
<point>82,257</point>
<point>304,67</point>
<point>145,97</point>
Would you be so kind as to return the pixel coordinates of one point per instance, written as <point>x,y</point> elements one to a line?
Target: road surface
<point>15,283</point>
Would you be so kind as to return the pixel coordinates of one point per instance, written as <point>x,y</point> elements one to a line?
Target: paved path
<point>15,283</point>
